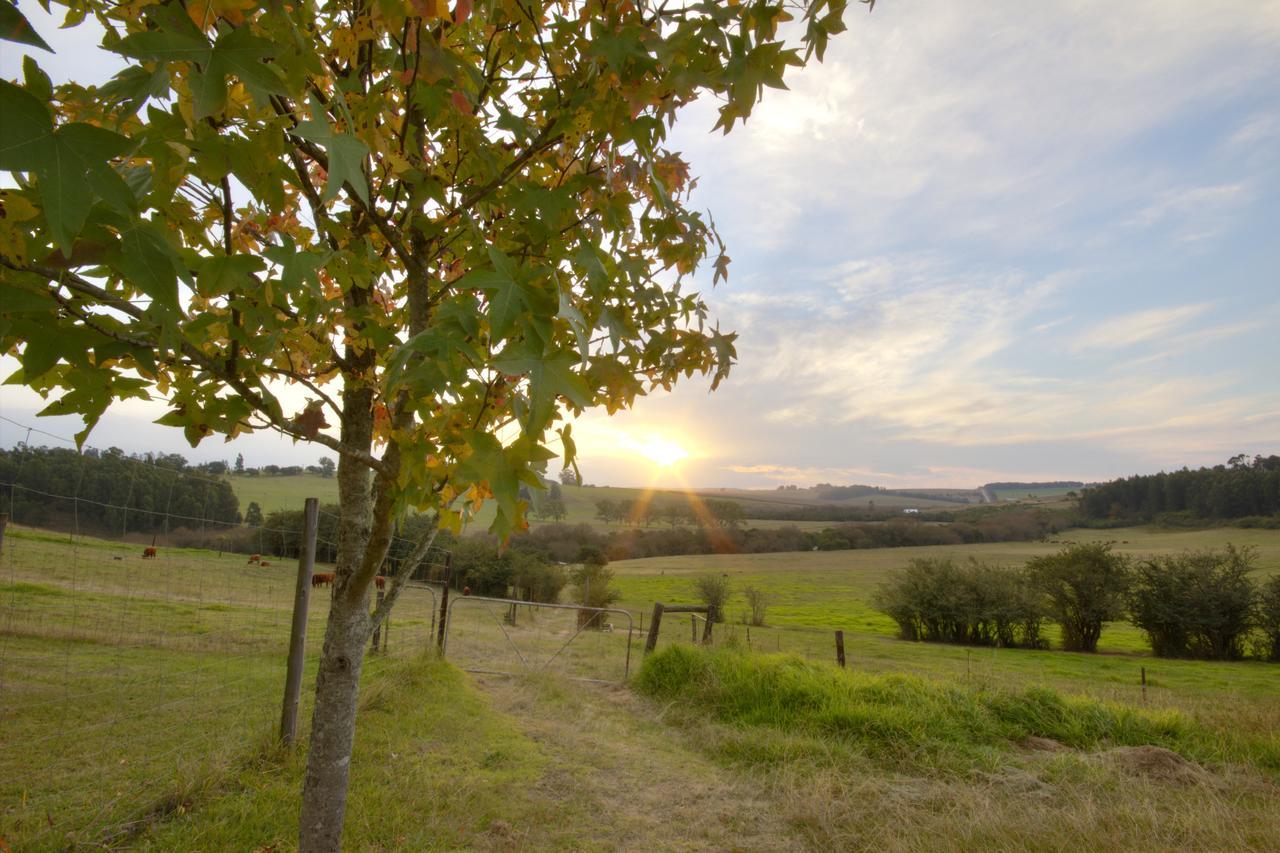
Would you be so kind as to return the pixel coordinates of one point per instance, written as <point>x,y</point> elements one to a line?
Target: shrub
<point>1195,604</point>
<point>1084,586</point>
<point>758,601</point>
<point>937,601</point>
<point>713,591</point>
<point>593,583</point>
<point>1268,618</point>
<point>535,579</point>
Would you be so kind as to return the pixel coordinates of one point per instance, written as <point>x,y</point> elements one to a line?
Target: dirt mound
<point>1155,762</point>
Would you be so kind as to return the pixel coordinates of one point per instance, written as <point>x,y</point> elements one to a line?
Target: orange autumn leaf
<point>461,103</point>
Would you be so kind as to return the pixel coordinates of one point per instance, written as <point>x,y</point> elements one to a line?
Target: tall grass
<point>906,721</point>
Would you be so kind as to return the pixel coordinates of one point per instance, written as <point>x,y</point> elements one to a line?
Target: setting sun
<point>661,451</point>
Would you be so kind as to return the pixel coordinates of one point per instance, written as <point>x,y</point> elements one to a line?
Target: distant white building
<point>911,511</point>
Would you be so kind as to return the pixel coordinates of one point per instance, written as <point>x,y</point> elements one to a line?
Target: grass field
<point>833,588</point>
<point>138,700</point>
<point>1020,494</point>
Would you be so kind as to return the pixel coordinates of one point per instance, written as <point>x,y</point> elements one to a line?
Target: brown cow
<point>322,579</point>
<point>148,553</point>
<point>263,563</point>
<point>380,582</point>
<point>255,558</point>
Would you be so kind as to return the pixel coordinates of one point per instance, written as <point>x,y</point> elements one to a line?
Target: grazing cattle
<point>322,579</point>
<point>380,582</point>
<point>263,563</point>
<point>466,590</point>
<point>148,553</point>
<point>255,558</point>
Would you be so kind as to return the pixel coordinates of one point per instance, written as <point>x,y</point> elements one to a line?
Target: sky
<point>980,242</point>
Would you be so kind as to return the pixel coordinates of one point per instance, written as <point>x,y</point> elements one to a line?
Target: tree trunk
<point>333,725</point>
<point>333,722</point>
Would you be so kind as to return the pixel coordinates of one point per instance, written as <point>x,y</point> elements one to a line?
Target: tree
<point>1084,586</point>
<point>437,224</point>
<point>568,477</point>
<point>607,510</point>
<point>327,466</point>
<point>1196,604</point>
<point>593,580</point>
<point>253,514</point>
<point>758,601</point>
<point>713,591</point>
<point>239,463</point>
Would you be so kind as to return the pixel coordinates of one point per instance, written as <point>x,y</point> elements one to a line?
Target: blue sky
<point>980,242</point>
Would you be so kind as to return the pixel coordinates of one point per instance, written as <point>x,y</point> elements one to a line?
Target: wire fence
<point>509,636</point>
<point>143,659</point>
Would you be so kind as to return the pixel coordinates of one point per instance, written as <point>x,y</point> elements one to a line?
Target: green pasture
<point>133,691</point>
<point>833,589</point>
<point>1020,494</point>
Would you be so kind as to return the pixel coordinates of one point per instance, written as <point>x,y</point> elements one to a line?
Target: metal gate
<point>508,636</point>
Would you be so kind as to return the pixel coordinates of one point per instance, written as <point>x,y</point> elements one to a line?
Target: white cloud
<point>991,120</point>
<point>1138,327</point>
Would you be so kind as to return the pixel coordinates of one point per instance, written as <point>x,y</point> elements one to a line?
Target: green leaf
<point>70,163</point>
<point>236,53</point>
<point>240,54</point>
<point>149,263</point>
<point>39,355</point>
<point>37,82</point>
<point>346,153</point>
<point>25,130</point>
<point>134,86</point>
<point>223,276</point>
<point>550,377</point>
<point>504,296</point>
<point>167,46</point>
<point>14,26</point>
<point>488,464</point>
<point>298,269</point>
<point>73,168</point>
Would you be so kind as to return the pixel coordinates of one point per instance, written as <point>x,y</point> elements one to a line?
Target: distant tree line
<point>324,468</point>
<point>1198,604</point>
<point>118,493</point>
<point>1242,489</point>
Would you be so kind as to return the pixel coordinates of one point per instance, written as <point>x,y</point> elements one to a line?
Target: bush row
<point>1198,604</point>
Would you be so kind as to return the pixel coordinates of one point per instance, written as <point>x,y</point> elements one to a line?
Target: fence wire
<point>143,649</point>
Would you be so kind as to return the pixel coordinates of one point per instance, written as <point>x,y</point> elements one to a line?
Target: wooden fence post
<point>1144,685</point>
<point>377,632</point>
<point>711,620</point>
<point>4,522</point>
<point>298,630</point>
<point>840,648</point>
<point>444,604</point>
<point>651,641</point>
<point>693,628</point>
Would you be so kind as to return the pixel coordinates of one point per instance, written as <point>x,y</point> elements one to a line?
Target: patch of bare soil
<point>609,757</point>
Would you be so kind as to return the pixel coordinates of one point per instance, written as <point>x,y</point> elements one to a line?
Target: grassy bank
<point>859,761</point>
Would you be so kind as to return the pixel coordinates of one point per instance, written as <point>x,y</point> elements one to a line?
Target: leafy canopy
<point>447,223</point>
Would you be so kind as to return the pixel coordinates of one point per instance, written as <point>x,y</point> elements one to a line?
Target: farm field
<point>1019,494</point>
<point>834,588</point>
<point>144,696</point>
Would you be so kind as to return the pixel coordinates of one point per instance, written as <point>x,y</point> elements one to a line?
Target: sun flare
<point>662,451</point>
